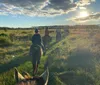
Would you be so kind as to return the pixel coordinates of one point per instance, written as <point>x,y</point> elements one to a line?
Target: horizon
<point>24,14</point>
<point>32,27</point>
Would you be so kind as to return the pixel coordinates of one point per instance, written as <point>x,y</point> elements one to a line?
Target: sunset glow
<point>83,14</point>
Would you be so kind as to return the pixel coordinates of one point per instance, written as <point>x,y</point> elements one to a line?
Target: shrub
<point>3,34</point>
<point>5,41</point>
<point>24,32</point>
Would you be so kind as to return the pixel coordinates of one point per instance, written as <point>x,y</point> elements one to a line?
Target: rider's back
<point>36,39</point>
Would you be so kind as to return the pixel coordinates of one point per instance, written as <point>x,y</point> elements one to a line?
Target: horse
<point>35,53</point>
<point>26,79</point>
<point>46,41</point>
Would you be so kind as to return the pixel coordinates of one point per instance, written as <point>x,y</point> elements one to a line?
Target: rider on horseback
<point>46,38</point>
<point>36,50</point>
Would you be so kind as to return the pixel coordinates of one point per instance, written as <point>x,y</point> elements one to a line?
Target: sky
<point>28,13</point>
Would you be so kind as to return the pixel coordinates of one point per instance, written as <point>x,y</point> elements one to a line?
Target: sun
<point>83,14</point>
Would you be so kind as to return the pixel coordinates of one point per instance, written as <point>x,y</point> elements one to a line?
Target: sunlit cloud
<point>82,7</point>
<point>93,17</point>
<point>85,2</point>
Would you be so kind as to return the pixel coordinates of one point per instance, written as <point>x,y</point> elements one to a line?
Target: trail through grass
<point>75,60</point>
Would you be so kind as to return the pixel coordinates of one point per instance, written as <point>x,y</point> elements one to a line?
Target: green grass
<point>5,41</point>
<point>72,61</point>
<point>72,55</point>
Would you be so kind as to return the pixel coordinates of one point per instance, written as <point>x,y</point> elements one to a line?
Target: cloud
<point>64,5</point>
<point>85,2</point>
<point>39,7</point>
<point>95,16</point>
<point>3,13</point>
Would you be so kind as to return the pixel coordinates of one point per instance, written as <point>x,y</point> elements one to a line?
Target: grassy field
<point>75,60</point>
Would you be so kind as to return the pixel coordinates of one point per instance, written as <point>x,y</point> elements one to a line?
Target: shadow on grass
<point>73,78</point>
<point>14,63</point>
<point>82,58</point>
<point>80,66</point>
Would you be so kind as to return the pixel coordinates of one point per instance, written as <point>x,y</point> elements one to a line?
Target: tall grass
<point>5,41</point>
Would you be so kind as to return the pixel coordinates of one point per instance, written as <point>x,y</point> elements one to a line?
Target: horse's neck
<point>31,82</point>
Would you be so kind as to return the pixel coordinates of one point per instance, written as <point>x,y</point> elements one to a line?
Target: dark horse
<point>46,40</point>
<point>35,53</point>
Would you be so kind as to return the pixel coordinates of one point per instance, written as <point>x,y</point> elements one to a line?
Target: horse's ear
<point>16,74</point>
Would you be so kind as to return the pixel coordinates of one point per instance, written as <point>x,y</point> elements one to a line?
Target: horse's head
<point>26,79</point>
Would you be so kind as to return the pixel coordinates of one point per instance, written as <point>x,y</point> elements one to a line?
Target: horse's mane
<point>32,81</point>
